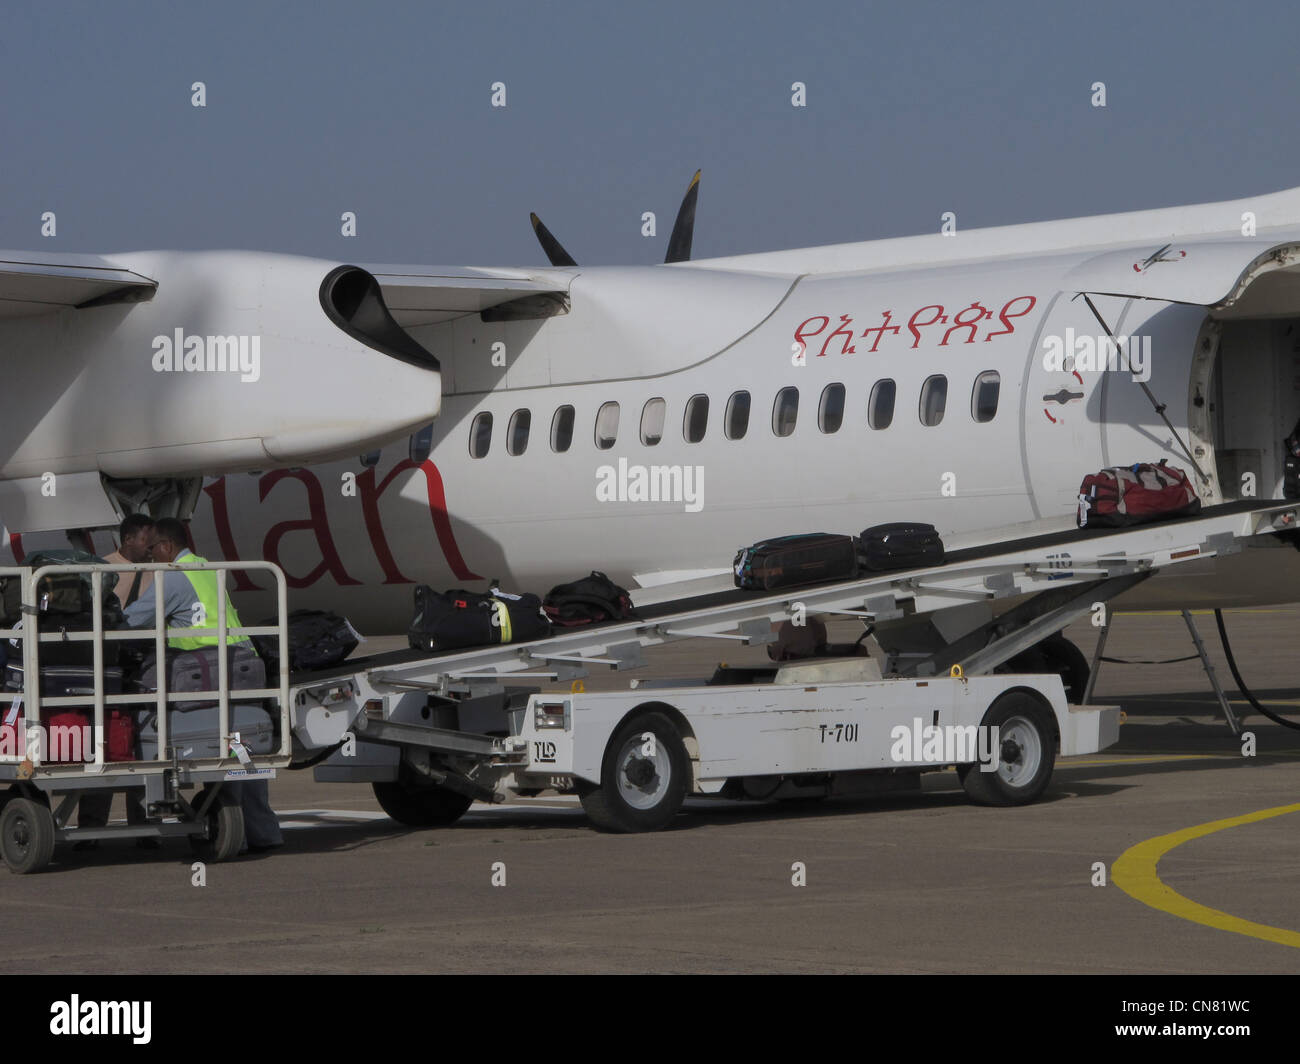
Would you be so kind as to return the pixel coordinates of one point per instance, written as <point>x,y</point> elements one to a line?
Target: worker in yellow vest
<point>190,601</point>
<point>189,597</point>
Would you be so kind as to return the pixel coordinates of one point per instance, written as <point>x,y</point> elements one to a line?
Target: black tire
<point>223,834</point>
<point>1055,654</point>
<point>26,835</point>
<point>1026,752</point>
<point>1071,662</point>
<point>639,792</point>
<point>416,805</point>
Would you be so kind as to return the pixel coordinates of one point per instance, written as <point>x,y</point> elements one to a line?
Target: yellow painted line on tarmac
<point>1198,613</point>
<point>1147,759</point>
<point>1136,874</point>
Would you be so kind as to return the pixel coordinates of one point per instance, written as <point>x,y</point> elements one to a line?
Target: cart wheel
<point>416,805</point>
<point>1055,654</point>
<point>643,777</point>
<point>26,835</point>
<point>1026,753</point>
<point>223,835</point>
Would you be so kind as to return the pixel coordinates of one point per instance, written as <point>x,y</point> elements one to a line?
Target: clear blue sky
<point>384,109</point>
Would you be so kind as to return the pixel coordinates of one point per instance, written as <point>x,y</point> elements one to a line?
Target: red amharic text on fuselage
<point>960,325</point>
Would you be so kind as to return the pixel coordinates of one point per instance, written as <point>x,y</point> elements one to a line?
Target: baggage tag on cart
<point>240,751</point>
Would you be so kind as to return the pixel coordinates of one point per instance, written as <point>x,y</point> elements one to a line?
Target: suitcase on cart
<point>789,561</point>
<point>69,735</point>
<point>193,725</point>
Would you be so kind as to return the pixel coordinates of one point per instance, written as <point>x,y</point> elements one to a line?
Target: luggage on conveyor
<point>445,620</point>
<point>1291,464</point>
<point>594,599</point>
<point>789,561</point>
<point>902,545</point>
<point>1133,495</point>
<point>317,640</point>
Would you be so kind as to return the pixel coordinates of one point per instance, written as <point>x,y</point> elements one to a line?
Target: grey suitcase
<point>193,726</point>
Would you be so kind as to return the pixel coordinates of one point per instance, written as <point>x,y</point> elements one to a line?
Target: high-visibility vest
<point>205,587</point>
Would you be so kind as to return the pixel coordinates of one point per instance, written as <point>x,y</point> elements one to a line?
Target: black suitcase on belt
<point>903,545</point>
<point>792,560</point>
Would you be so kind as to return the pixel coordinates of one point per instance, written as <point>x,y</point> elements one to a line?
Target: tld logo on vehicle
<point>79,1017</point>
<point>947,744</point>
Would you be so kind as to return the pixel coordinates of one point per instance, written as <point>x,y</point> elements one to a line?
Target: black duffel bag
<point>445,620</point>
<point>592,600</point>
<point>317,640</point>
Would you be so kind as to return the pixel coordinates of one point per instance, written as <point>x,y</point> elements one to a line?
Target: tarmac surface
<point>920,883</point>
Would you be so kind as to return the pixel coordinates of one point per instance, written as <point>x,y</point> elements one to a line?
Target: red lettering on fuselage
<point>318,523</point>
<point>216,491</point>
<point>437,511</point>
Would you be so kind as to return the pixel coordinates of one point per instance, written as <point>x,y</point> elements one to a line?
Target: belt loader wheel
<point>420,805</point>
<point>1026,753</point>
<point>26,835</point>
<point>643,777</point>
<point>223,827</point>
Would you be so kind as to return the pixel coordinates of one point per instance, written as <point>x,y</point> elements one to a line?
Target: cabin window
<point>984,396</point>
<point>696,421</point>
<point>421,444</point>
<point>737,419</point>
<point>562,429</point>
<point>830,411</point>
<point>934,399</point>
<point>880,408</point>
<point>480,435</point>
<point>785,411</point>
<point>517,437</point>
<point>370,459</point>
<point>607,426</point>
<point>652,421</point>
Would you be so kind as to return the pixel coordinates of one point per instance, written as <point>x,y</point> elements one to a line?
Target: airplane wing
<point>30,286</point>
<point>426,295</point>
<point>1257,277</point>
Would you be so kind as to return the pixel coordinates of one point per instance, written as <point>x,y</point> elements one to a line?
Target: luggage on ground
<point>1131,495</point>
<point>792,560</point>
<point>445,620</point>
<point>594,599</point>
<point>317,640</point>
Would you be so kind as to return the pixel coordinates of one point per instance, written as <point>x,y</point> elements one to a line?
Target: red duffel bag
<point>1132,495</point>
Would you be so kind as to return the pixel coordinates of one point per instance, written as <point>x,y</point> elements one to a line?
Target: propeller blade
<point>553,248</point>
<point>679,244</point>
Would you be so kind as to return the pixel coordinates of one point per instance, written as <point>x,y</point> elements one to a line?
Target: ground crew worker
<point>182,593</point>
<point>136,534</point>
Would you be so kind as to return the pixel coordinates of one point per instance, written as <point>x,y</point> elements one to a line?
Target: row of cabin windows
<point>735,421</point>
